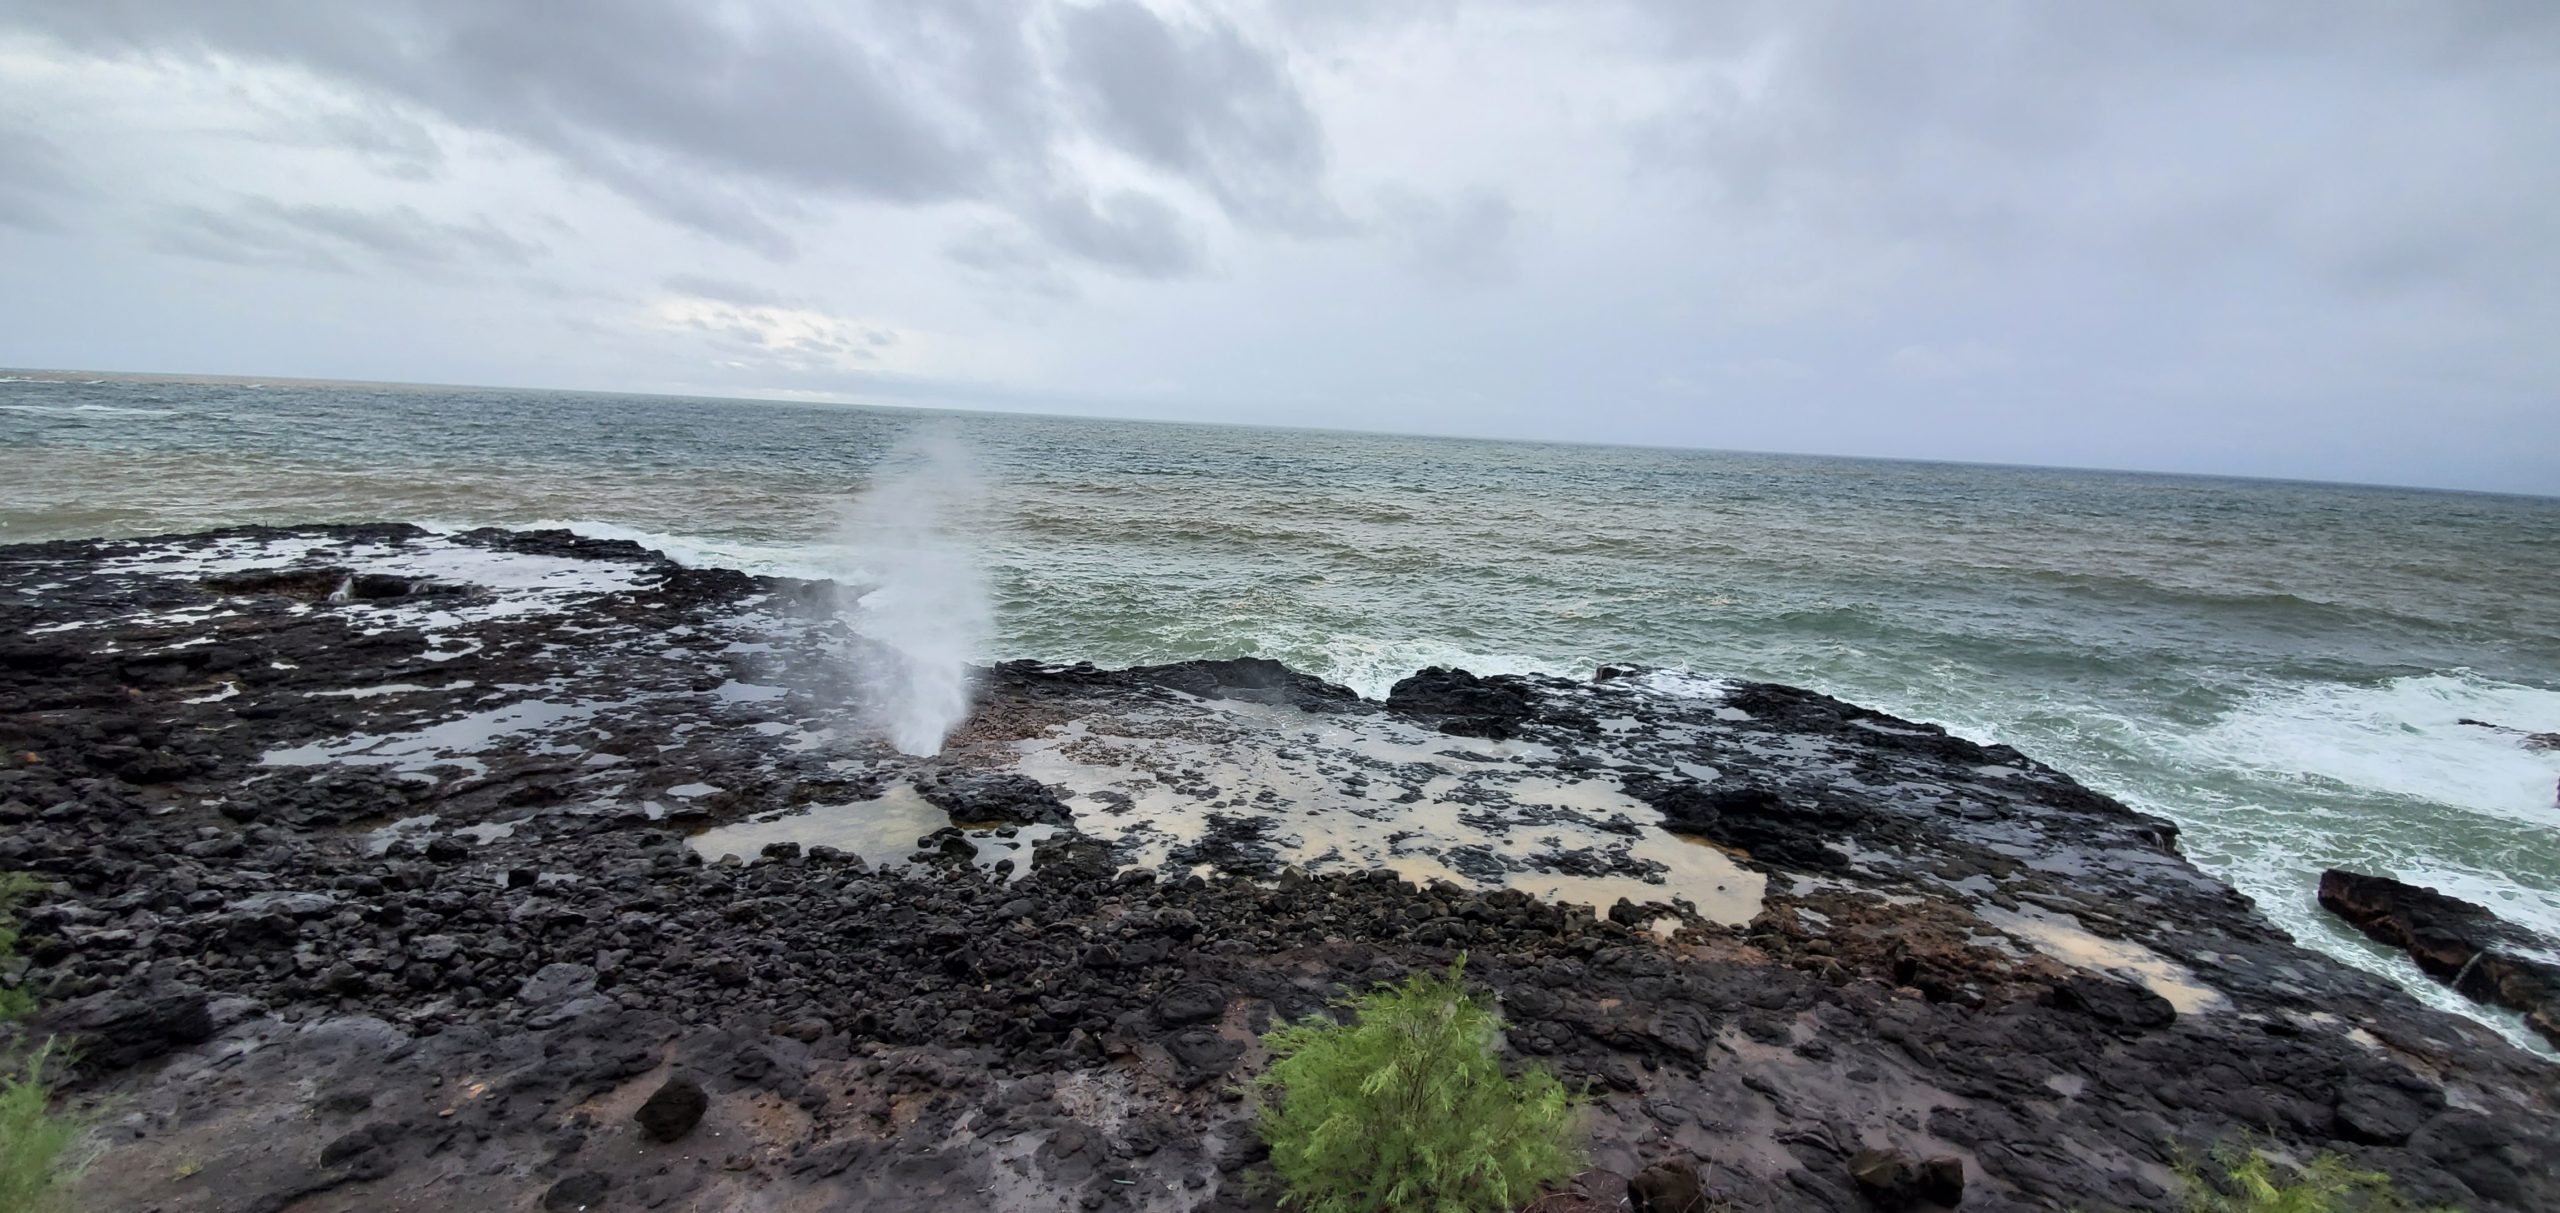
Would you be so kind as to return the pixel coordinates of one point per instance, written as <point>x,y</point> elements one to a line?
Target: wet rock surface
<point>388,900</point>
<point>2466,946</point>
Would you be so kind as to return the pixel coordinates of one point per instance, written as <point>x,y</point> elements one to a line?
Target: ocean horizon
<point>814,400</point>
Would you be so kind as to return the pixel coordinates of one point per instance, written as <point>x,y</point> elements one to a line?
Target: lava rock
<point>1751,818</point>
<point>673,1109</point>
<point>1252,679</point>
<point>2117,1003</point>
<point>584,1190</point>
<point>2466,946</point>
<point>118,1028</point>
<point>1890,1179</point>
<point>2375,1115</point>
<point>555,983</point>
<point>998,797</point>
<point>1667,1187</point>
<point>1484,705</point>
<point>1189,1003</point>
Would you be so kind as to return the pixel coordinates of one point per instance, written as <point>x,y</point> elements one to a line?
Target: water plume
<point>923,603</point>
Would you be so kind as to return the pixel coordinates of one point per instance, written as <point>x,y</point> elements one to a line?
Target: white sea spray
<point>922,601</point>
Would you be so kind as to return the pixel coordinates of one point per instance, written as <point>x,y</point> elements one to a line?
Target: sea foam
<point>2403,737</point>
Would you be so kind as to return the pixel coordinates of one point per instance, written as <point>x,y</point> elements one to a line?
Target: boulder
<point>1250,679</point>
<point>991,797</point>
<point>554,983</point>
<point>1189,1003</point>
<point>2482,956</point>
<point>1468,706</point>
<point>1891,1179</point>
<point>673,1109</point>
<point>1667,1187</point>
<point>119,1028</point>
<point>2376,1115</point>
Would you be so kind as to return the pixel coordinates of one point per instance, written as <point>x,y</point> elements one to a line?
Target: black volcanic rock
<point>2466,946</point>
<point>122,1027</point>
<point>1893,1180</point>
<point>452,1005</point>
<point>2116,1003</point>
<point>981,798</point>
<point>673,1109</point>
<point>2530,740</point>
<point>1752,819</point>
<point>1466,705</point>
<point>1667,1187</point>
<point>1252,679</point>
<point>573,1193</point>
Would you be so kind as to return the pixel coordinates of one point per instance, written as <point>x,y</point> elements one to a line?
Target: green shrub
<point>2249,1182</point>
<point>1406,1108</point>
<point>36,1163</point>
<point>36,1159</point>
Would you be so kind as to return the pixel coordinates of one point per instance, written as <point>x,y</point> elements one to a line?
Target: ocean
<point>2279,667</point>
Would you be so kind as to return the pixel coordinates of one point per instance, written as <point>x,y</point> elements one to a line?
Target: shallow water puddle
<point>1371,792</point>
<point>388,688</point>
<point>883,832</point>
<point>378,840</point>
<point>449,744</point>
<point>2068,943</point>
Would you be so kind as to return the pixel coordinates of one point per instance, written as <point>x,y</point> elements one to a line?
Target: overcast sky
<point>2315,239</point>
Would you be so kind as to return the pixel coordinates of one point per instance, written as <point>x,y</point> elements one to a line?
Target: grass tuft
<point>1406,1108</point>
<point>2249,1180</point>
<point>37,1161</point>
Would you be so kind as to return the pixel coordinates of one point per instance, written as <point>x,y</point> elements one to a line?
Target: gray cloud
<point>263,231</point>
<point>377,132</point>
<point>2180,128</point>
<point>1124,230</point>
<point>703,286</point>
<point>2294,238</point>
<point>1464,241</point>
<point>1201,101</point>
<point>1003,256</point>
<point>34,178</point>
<point>238,239</point>
<point>731,122</point>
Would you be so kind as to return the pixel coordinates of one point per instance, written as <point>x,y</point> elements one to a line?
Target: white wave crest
<point>76,410</point>
<point>2403,737</point>
<point>811,562</point>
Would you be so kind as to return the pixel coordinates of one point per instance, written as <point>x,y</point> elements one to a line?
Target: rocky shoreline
<point>395,870</point>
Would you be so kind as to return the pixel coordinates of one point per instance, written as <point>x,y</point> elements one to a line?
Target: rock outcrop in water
<point>553,879</point>
<point>2483,957</point>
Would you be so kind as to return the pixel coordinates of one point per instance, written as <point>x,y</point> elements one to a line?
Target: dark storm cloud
<point>730,121</point>
<point>263,231</point>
